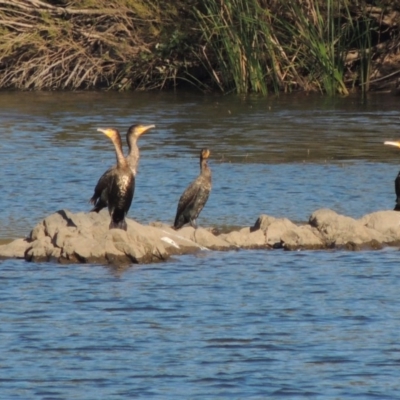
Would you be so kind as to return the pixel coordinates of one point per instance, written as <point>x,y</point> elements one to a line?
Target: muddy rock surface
<point>67,237</point>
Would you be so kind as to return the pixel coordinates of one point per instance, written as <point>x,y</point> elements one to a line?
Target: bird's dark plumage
<point>195,196</point>
<point>118,183</point>
<point>397,191</point>
<point>397,180</point>
<point>100,195</point>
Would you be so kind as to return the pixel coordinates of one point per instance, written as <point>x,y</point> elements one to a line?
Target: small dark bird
<point>397,180</point>
<point>100,195</point>
<point>195,196</point>
<point>120,184</point>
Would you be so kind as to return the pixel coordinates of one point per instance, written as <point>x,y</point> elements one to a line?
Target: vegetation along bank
<point>242,46</point>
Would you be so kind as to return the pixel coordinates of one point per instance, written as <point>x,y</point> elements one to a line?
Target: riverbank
<point>238,46</point>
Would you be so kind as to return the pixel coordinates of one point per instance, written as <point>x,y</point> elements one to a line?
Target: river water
<point>237,325</point>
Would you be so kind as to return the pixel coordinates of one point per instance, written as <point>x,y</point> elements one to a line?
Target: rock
<point>203,237</point>
<point>116,256</point>
<point>15,249</point>
<point>338,230</point>
<point>245,238</point>
<point>66,237</point>
<point>38,232</point>
<point>263,222</point>
<point>281,232</point>
<point>82,250</point>
<point>40,250</point>
<point>276,229</point>
<point>164,241</point>
<point>181,240</point>
<point>385,222</point>
<point>86,238</point>
<point>139,246</point>
<point>54,222</point>
<point>62,235</point>
<point>302,237</point>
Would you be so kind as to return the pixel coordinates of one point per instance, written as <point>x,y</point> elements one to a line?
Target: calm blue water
<point>237,325</point>
<point>254,325</point>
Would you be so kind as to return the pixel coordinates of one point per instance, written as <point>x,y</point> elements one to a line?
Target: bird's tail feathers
<point>98,205</point>
<point>179,222</point>
<point>119,225</point>
<point>118,220</point>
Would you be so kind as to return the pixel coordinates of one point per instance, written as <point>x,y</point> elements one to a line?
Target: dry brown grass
<point>147,44</point>
<point>87,44</point>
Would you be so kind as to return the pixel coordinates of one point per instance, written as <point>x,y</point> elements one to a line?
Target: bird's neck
<point>119,154</point>
<point>133,151</point>
<point>204,166</point>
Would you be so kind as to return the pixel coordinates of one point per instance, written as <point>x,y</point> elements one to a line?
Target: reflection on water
<point>237,325</point>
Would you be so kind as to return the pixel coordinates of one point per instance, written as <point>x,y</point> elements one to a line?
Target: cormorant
<point>195,196</point>
<point>100,195</point>
<point>132,136</point>
<point>120,184</point>
<point>397,180</point>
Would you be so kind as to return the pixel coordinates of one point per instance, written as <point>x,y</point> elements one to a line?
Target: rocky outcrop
<point>282,233</point>
<point>66,237</point>
<point>341,231</point>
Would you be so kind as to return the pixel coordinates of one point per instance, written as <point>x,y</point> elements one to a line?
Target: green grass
<point>283,44</point>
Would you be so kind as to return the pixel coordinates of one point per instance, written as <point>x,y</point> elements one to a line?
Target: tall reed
<point>240,50</point>
<point>255,45</point>
<point>360,36</point>
<point>318,38</point>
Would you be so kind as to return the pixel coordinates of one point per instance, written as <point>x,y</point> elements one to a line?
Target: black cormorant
<point>132,136</point>
<point>195,196</point>
<point>397,180</point>
<point>120,184</point>
<point>100,195</point>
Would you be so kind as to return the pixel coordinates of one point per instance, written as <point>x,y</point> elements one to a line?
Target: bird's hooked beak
<point>143,128</point>
<point>390,143</point>
<point>205,154</point>
<point>108,132</point>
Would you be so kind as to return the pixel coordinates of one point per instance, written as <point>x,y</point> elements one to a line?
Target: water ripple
<point>243,324</point>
